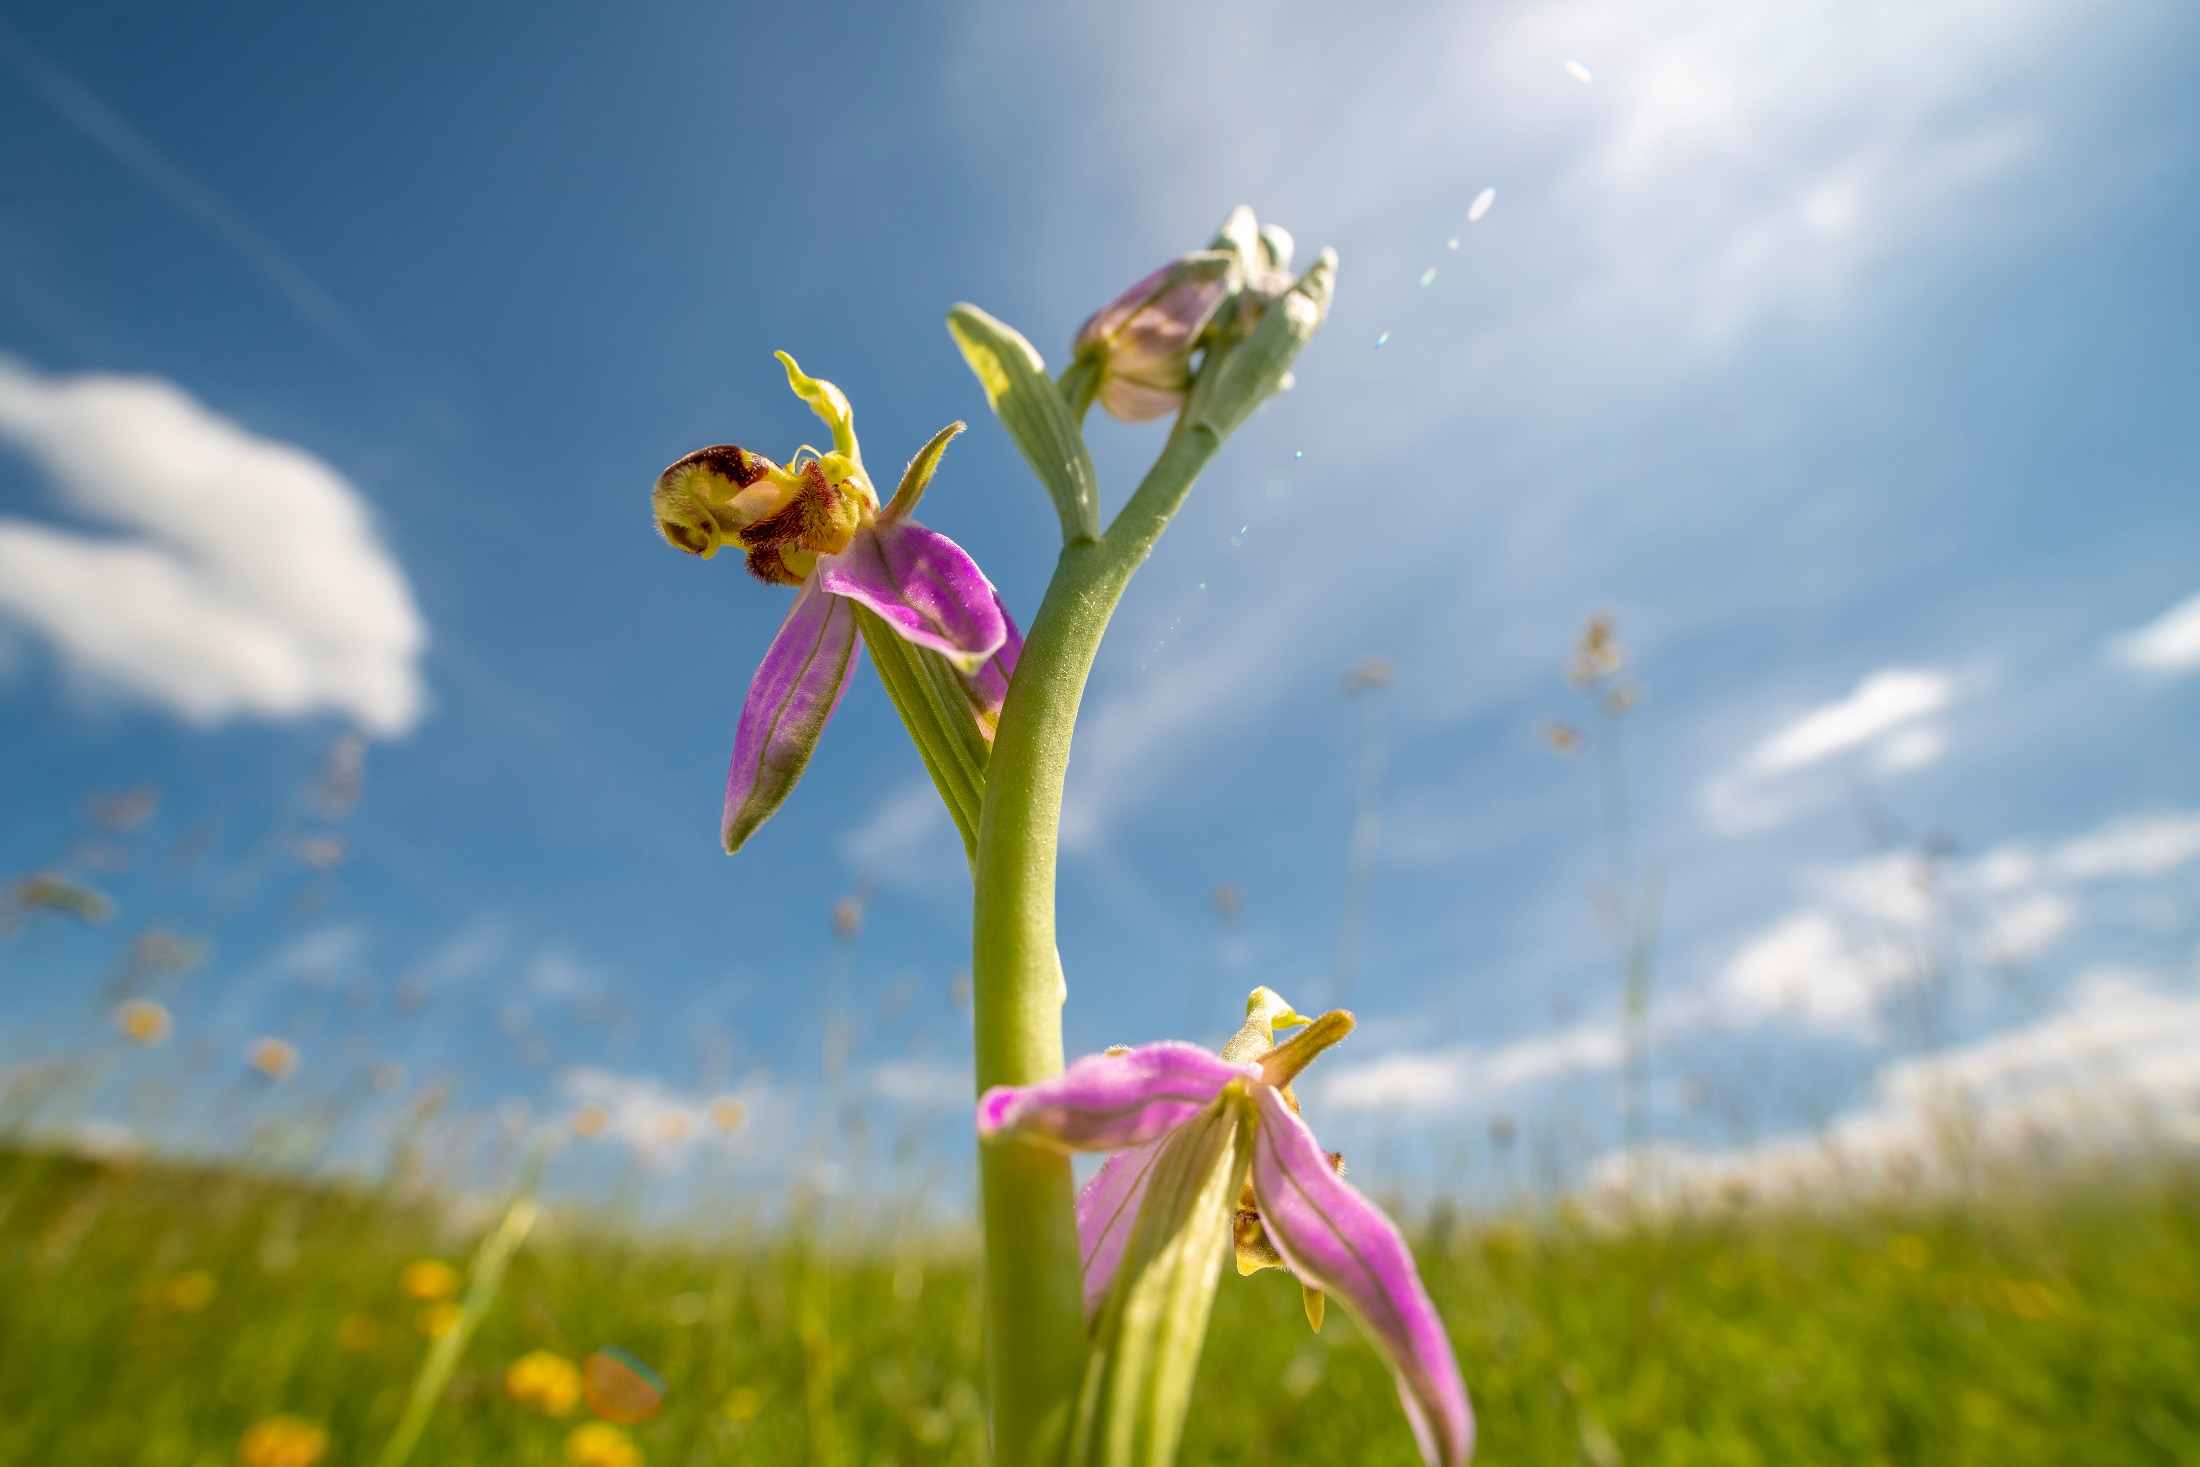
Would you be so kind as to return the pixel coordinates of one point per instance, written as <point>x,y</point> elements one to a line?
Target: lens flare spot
<point>1579,72</point>
<point>620,1388</point>
<point>1428,276</point>
<point>1481,205</point>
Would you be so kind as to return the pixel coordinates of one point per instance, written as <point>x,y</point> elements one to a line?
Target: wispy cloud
<point>466,953</point>
<point>1876,927</point>
<point>105,128</point>
<point>908,841</point>
<point>664,1124</point>
<point>922,1084</point>
<point>2118,1064</point>
<point>1447,1079</point>
<point>253,581</point>
<point>1869,932</point>
<point>1886,717</point>
<point>2168,646</point>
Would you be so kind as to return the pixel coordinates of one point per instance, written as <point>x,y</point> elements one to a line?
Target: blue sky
<point>1844,353</point>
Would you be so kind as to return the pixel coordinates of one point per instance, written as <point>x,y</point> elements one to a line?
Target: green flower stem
<point>1035,1314</point>
<point>1079,384</point>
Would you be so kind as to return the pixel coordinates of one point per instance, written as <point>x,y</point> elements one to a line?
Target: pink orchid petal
<point>1106,1102</point>
<point>925,588</point>
<point>1128,400</point>
<point>1336,1240</point>
<point>987,688</point>
<point>1106,1211</point>
<point>793,695</point>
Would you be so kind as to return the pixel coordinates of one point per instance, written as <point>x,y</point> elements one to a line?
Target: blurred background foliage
<point>158,1314</point>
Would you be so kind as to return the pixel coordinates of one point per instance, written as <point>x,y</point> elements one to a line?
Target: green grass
<point>2060,1328</point>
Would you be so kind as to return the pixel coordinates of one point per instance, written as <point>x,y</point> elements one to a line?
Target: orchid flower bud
<point>1142,342</point>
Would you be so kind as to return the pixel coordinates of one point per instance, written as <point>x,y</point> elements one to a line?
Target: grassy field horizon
<point>159,1313</point>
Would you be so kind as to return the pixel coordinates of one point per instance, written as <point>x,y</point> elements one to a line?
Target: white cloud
<point>908,841</point>
<point>1886,714</point>
<point>664,1125</point>
<point>1806,969</point>
<point>472,950</point>
<point>2029,926</point>
<point>252,581</point>
<point>1882,702</point>
<point>2118,1065</point>
<point>2169,645</point>
<point>555,973</point>
<point>922,1084</point>
<point>1913,748</point>
<point>1869,927</point>
<point>1448,1078</point>
<point>2151,844</point>
<point>321,957</point>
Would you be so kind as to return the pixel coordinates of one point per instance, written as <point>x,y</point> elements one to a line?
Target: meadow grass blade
<point>483,1279</point>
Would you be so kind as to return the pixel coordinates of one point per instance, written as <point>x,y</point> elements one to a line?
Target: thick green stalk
<point>1035,1317</point>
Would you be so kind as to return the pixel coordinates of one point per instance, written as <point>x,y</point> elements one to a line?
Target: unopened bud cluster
<point>1140,348</point>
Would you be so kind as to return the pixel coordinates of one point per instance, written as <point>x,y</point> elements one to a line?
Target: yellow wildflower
<point>544,1380</point>
<point>272,1058</point>
<point>601,1445</point>
<point>283,1441</point>
<point>143,1020</point>
<point>428,1278</point>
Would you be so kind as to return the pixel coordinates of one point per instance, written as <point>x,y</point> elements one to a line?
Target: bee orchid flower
<point>1150,1105</point>
<point>817,524</point>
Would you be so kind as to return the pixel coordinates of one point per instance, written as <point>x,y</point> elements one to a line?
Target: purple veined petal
<point>1106,1210</point>
<point>1336,1240</point>
<point>1107,1102</point>
<point>793,695</point>
<point>1110,318</point>
<point>925,588</point>
<point>987,688</point>
<point>1130,401</point>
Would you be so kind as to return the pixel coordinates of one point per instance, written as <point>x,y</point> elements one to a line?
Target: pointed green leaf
<point>1145,1347</point>
<point>935,710</point>
<point>1240,376</point>
<point>918,476</point>
<point>1031,408</point>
